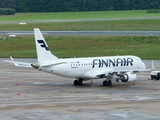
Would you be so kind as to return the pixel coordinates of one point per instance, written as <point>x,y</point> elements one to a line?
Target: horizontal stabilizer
<point>17,63</point>
<point>20,64</point>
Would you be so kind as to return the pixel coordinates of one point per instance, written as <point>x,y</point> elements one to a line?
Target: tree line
<point>78,5</point>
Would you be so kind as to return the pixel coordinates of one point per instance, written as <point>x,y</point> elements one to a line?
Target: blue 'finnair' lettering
<point>115,62</point>
<point>43,44</point>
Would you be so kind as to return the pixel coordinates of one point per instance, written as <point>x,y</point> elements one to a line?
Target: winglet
<point>11,58</point>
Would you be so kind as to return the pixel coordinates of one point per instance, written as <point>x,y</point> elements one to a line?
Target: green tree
<point>22,6</point>
<point>8,4</point>
<point>7,11</point>
<point>80,5</point>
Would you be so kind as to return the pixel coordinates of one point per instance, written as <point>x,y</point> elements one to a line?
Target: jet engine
<point>128,77</point>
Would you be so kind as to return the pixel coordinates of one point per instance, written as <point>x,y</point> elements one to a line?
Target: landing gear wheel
<point>76,82</point>
<point>157,77</point>
<point>110,83</point>
<point>80,82</point>
<point>105,83</point>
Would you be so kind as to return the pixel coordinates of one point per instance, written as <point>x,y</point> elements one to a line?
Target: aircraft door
<point>66,67</point>
<point>138,62</point>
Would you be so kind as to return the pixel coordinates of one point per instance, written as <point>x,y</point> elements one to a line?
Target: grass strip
<point>76,15</point>
<point>146,47</point>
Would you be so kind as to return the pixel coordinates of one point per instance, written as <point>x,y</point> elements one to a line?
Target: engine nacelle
<point>128,77</point>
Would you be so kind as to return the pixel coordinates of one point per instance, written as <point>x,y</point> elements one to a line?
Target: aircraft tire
<point>80,83</point>
<point>110,83</point>
<point>105,83</point>
<point>157,77</point>
<point>76,83</point>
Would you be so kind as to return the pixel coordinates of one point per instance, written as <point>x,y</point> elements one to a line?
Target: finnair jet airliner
<point>110,68</point>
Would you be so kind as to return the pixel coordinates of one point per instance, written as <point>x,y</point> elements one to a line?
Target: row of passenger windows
<point>85,64</point>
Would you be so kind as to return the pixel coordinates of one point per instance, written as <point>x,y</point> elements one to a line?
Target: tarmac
<point>112,33</point>
<point>43,96</point>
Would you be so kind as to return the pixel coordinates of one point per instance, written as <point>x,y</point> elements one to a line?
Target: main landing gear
<point>78,82</point>
<point>107,82</point>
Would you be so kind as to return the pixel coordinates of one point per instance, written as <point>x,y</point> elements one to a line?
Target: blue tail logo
<point>42,44</point>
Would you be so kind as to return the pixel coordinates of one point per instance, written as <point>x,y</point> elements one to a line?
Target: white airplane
<point>111,68</point>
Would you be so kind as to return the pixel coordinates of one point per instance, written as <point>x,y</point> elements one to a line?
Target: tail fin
<point>43,52</point>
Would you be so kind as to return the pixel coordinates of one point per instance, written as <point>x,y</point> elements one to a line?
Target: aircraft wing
<point>110,72</point>
<point>98,73</point>
<point>131,71</point>
<point>134,71</point>
<point>17,63</point>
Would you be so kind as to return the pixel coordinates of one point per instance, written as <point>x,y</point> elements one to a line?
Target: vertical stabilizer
<point>43,52</point>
